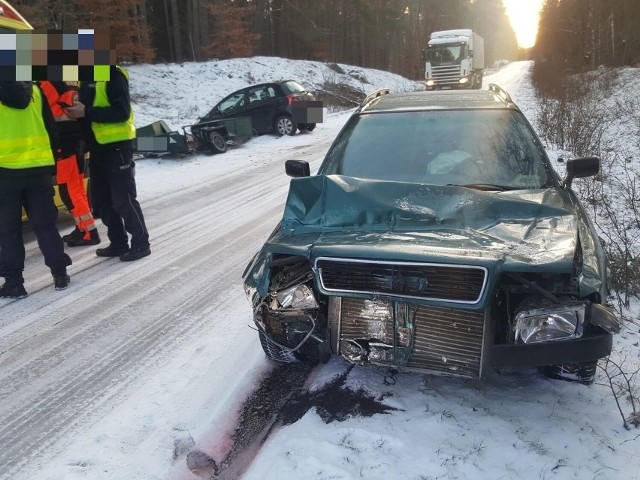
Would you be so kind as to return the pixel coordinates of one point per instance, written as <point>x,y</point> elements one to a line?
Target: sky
<point>524,16</point>
<point>139,371</point>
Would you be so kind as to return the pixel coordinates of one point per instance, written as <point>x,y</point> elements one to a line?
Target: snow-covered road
<point>71,358</point>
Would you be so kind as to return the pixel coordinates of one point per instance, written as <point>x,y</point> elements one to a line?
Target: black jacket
<point>118,111</point>
<point>18,95</point>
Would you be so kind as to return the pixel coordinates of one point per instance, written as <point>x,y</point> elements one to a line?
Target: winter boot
<point>112,251</point>
<point>60,282</point>
<point>76,233</point>
<point>135,254</point>
<point>90,238</point>
<point>13,291</point>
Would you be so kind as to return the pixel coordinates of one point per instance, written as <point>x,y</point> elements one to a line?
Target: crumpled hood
<point>350,217</point>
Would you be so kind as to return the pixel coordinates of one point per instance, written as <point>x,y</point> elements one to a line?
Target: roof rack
<point>501,92</point>
<point>374,94</point>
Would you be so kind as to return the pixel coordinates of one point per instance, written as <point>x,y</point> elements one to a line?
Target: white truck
<point>454,59</point>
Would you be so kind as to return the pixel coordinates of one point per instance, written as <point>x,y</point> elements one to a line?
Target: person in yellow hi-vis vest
<point>27,145</point>
<point>104,110</point>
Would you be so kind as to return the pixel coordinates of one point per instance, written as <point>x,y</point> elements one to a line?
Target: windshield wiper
<point>488,187</point>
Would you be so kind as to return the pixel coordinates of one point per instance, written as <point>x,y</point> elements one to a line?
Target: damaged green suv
<point>435,237</point>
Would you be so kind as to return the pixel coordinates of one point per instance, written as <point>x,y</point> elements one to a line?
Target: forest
<point>384,34</point>
<point>574,35</point>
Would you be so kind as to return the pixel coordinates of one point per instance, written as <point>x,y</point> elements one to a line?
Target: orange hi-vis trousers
<point>71,187</point>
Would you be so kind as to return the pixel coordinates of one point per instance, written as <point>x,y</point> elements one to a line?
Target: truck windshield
<point>446,53</point>
<point>460,147</point>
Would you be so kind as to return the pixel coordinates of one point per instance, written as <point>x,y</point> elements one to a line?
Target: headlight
<point>299,297</point>
<point>550,324</point>
<point>464,80</point>
<point>430,83</point>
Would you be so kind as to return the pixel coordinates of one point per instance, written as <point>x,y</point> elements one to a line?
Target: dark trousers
<point>35,194</point>
<point>113,197</point>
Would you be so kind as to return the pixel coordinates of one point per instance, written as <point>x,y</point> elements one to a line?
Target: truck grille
<point>458,284</point>
<point>445,341</point>
<point>447,74</point>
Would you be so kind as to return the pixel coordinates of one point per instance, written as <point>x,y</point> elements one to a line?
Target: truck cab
<point>454,59</point>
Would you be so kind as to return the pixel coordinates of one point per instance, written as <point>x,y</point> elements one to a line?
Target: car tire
<point>306,127</point>
<point>584,373</point>
<point>275,352</point>
<point>218,143</point>
<point>283,125</point>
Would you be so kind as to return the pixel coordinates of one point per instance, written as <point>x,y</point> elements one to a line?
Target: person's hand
<point>76,110</point>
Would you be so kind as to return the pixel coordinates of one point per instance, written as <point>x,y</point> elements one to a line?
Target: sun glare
<point>524,16</point>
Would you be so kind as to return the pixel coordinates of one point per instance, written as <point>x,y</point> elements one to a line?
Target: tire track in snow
<point>64,362</point>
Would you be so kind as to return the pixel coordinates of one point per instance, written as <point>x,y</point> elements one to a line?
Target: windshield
<point>453,147</point>
<point>446,53</point>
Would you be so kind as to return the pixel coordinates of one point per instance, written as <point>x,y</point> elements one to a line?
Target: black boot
<point>60,282</point>
<point>112,251</point>
<point>94,239</point>
<point>76,233</point>
<point>13,291</point>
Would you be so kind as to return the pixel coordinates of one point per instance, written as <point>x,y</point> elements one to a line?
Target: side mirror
<point>297,168</point>
<point>581,167</point>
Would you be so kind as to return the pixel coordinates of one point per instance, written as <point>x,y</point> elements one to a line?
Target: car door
<point>260,107</point>
<point>232,106</point>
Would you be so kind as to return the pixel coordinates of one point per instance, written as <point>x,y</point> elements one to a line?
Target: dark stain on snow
<point>333,402</point>
<point>257,417</point>
<point>280,400</point>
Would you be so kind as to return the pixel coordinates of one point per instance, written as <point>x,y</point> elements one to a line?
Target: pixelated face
<point>54,55</point>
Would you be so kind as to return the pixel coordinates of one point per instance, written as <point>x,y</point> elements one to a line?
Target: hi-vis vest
<point>24,140</point>
<point>111,132</point>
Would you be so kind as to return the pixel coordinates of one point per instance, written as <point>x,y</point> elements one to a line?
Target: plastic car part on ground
<point>214,136</point>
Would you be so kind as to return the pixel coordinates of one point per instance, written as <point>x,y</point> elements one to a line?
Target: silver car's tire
<point>285,126</point>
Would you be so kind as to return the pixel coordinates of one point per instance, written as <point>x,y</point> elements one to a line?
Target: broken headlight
<point>298,297</point>
<point>548,324</point>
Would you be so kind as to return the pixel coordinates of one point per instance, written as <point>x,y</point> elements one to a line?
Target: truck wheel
<point>310,127</point>
<point>584,373</point>
<point>284,125</point>
<point>218,143</point>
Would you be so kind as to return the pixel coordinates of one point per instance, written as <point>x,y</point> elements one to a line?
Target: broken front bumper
<point>436,340</point>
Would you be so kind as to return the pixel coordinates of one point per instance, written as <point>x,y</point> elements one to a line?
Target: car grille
<point>448,341</point>
<point>459,284</point>
<point>445,340</point>
<point>446,75</point>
